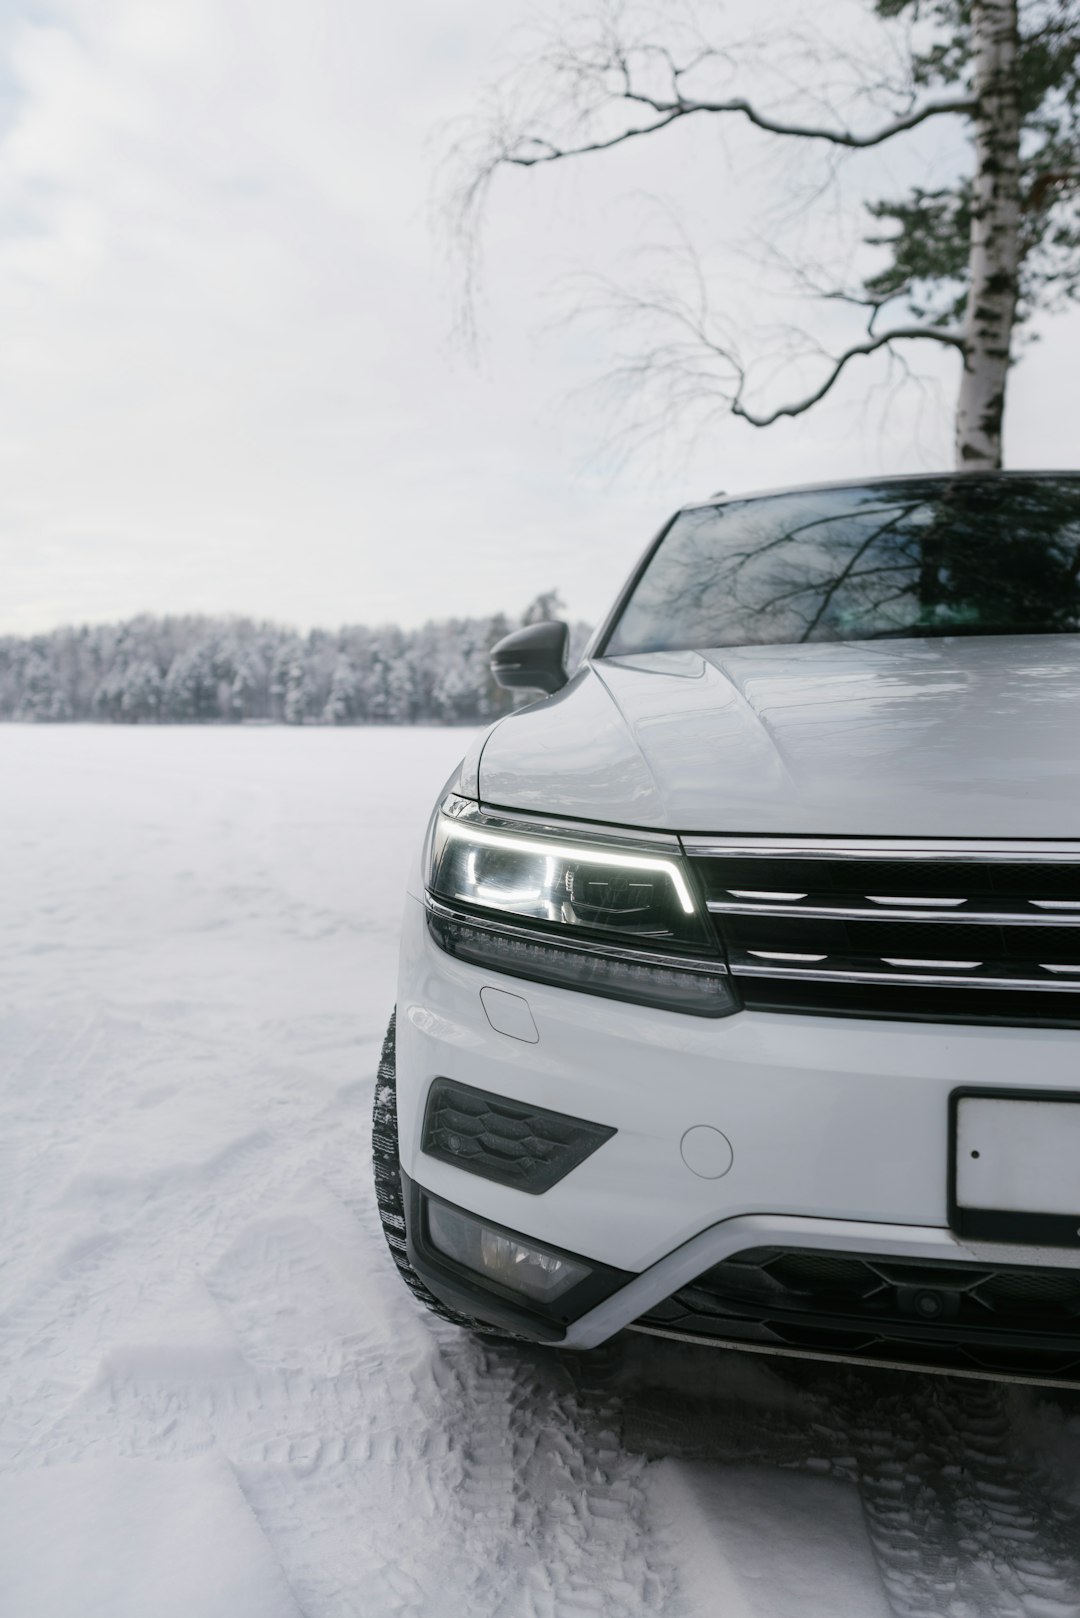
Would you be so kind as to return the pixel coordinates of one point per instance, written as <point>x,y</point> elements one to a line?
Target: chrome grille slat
<point>959,966</point>
<point>766,896</point>
<point>891,899</point>
<point>915,848</point>
<point>840,971</point>
<point>854,912</point>
<point>909,929</point>
<point>783,955</point>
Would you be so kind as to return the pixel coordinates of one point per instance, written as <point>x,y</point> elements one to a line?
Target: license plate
<point>1016,1167</point>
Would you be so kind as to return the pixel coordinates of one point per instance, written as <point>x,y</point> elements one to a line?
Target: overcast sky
<point>226,376</point>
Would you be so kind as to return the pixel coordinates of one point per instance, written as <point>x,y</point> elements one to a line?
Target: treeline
<point>199,670</point>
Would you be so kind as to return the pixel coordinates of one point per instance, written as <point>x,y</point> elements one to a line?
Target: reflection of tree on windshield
<point>958,556</point>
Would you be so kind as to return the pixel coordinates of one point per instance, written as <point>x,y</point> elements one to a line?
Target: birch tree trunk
<point>995,235</point>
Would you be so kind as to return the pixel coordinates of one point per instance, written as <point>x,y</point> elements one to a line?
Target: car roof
<point>722,498</point>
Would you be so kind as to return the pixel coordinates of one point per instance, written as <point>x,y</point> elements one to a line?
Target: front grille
<point>977,933</point>
<point>965,1316</point>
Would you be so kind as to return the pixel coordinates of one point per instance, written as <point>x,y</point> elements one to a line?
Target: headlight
<point>593,911</point>
<point>588,883</point>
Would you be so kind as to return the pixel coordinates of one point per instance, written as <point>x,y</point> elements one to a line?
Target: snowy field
<point>216,1399</point>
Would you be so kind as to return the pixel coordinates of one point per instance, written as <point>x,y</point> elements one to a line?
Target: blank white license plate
<point>1018,1156</point>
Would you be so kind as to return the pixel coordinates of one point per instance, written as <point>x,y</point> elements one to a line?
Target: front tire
<point>386,1166</point>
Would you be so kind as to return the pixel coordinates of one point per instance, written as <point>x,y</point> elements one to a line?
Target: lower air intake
<point>510,1142</point>
<point>993,1318</point>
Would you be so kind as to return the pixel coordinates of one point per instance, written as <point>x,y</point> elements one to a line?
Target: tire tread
<point>386,1168</point>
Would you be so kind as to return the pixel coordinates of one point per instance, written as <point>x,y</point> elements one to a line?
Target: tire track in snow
<point>964,1521</point>
<point>391,1469</point>
<point>480,1485</point>
<point>142,1234</point>
<point>966,1516</point>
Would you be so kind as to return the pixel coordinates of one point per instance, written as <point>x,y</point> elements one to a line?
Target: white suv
<point>740,975</point>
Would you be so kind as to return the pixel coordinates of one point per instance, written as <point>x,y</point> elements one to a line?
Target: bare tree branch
<point>668,112</point>
<point>548,153</point>
<point>680,363</point>
<point>871,346</point>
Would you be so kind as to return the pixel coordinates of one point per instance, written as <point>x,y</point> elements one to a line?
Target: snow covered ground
<point>217,1401</point>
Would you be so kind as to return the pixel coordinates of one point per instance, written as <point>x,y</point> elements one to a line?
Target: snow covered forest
<point>203,670</point>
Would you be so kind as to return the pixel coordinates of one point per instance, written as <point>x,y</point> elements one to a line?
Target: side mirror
<point>533,658</point>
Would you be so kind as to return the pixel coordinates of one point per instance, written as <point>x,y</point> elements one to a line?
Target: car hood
<point>914,738</point>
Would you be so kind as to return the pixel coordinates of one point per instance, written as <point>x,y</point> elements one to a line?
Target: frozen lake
<point>216,1399</point>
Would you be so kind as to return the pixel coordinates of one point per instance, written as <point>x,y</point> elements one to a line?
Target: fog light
<point>535,1272</point>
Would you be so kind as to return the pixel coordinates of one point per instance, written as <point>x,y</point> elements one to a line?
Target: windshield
<point>957,556</point>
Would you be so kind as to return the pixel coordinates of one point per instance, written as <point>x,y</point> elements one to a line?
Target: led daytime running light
<point>467,832</point>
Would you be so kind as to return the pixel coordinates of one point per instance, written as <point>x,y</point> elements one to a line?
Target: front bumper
<point>662,1301</point>
<point>839,1129</point>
